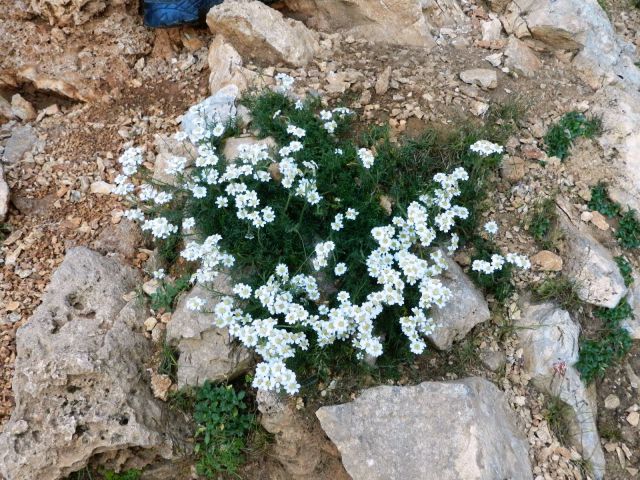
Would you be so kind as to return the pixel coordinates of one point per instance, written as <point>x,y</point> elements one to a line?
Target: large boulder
<point>205,351</point>
<point>466,308</point>
<point>263,34</point>
<point>549,339</point>
<point>590,265</point>
<point>436,430</point>
<point>79,384</point>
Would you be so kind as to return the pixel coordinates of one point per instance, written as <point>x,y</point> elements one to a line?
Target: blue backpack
<point>173,13</point>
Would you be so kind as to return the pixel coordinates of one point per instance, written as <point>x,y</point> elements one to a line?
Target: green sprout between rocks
<point>610,345</point>
<point>601,202</point>
<point>628,232</point>
<point>560,136</point>
<point>626,270</point>
<point>543,222</point>
<point>560,290</point>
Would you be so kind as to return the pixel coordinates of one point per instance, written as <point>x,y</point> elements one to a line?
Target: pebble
<point>611,402</point>
<point>633,418</point>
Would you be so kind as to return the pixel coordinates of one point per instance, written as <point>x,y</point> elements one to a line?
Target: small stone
<point>633,418</point>
<point>149,323</point>
<point>100,187</point>
<point>382,84</point>
<point>482,77</point>
<point>512,169</point>
<point>160,385</point>
<point>22,109</point>
<point>494,59</point>
<point>611,402</point>
<point>494,361</point>
<point>599,221</point>
<point>479,108</point>
<point>547,261</point>
<point>151,286</point>
<point>586,216</point>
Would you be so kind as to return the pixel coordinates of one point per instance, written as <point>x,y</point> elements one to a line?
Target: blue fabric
<point>172,13</point>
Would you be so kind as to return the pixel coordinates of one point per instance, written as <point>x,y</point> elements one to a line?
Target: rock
<point>399,432</point>
<point>590,265</point>
<point>150,287</point>
<point>495,59</point>
<point>68,12</point>
<point>491,30</point>
<point>340,82</point>
<point>22,109</point>
<point>226,67</point>
<point>304,453</point>
<point>167,147</point>
<point>549,339</point>
<point>479,108</point>
<point>218,108</point>
<point>494,361</point>
<point>149,323</point>
<point>79,392</point>
<point>123,238</point>
<point>547,261</point>
<point>599,221</point>
<point>5,109</point>
<point>22,140</point>
<point>482,77</point>
<point>512,168</point>
<point>611,402</point>
<point>382,83</point>
<point>232,145</point>
<point>101,188</point>
<point>632,325</point>
<point>263,33</point>
<point>465,309</point>
<point>4,196</point>
<point>395,22</point>
<point>160,385</point>
<point>206,352</point>
<point>520,58</point>
<point>633,419</point>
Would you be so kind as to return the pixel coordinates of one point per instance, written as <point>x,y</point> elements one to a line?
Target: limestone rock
<point>167,147</point>
<point>79,388</point>
<point>232,145</point>
<point>513,168</point>
<point>123,238</point>
<point>482,77</point>
<point>218,108</point>
<point>547,261</point>
<point>4,196</point>
<point>435,430</point>
<point>590,265</point>
<point>382,83</point>
<point>549,339</point>
<point>340,82</point>
<point>5,109</point>
<point>21,108</point>
<point>396,22</point>
<point>21,141</point>
<point>633,298</point>
<point>304,453</point>
<point>491,30</point>
<point>69,12</point>
<point>263,33</point>
<point>206,352</point>
<point>520,57</point>
<point>226,67</point>
<point>466,308</point>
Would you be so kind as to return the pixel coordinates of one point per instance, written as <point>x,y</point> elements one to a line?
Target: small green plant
<point>131,474</point>
<point>609,346</point>
<point>560,137</point>
<point>628,233</point>
<point>222,426</point>
<point>498,283</point>
<point>164,297</point>
<point>168,361</point>
<point>542,223</point>
<point>626,270</point>
<point>560,290</point>
<point>556,413</point>
<point>601,202</point>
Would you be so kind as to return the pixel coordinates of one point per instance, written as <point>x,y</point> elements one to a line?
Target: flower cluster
<point>484,148</point>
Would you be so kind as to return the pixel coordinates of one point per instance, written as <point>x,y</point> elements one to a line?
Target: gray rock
<point>123,239</point>
<point>633,298</point>
<point>466,308</point>
<point>494,361</point>
<point>216,108</point>
<point>21,141</point>
<point>549,339</point>
<point>436,430</point>
<point>590,265</point>
<point>167,147</point>
<point>520,57</point>
<point>206,352</point>
<point>4,196</point>
<point>22,108</point>
<point>80,388</point>
<point>482,77</point>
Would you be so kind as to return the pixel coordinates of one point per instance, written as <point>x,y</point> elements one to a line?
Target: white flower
<point>222,202</point>
<point>242,290</point>
<point>175,165</point>
<point>337,222</point>
<point>195,304</point>
<point>340,269</point>
<point>276,114</point>
<point>299,105</point>
<point>199,191</point>
<point>218,130</point>
<point>491,227</point>
<point>159,274</point>
<point>284,81</point>
<point>296,131</point>
<point>159,227</point>
<point>162,198</point>
<point>338,151</point>
<point>134,214</point>
<point>351,214</point>
<point>188,223</point>
<point>366,157</point>
<point>484,148</point>
<point>330,126</point>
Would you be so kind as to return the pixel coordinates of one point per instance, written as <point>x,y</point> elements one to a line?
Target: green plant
<point>498,283</point>
<point>168,361</point>
<point>556,412</point>
<point>609,346</point>
<point>560,290</point>
<point>164,297</point>
<point>601,202</point>
<point>131,474</point>
<point>628,233</point>
<point>560,136</point>
<point>222,426</point>
<point>626,270</point>
<point>542,223</point>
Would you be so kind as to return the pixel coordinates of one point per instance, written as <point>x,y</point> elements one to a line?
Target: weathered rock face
<point>303,453</point>
<point>466,308</point>
<point>633,325</point>
<point>4,196</point>
<point>397,22</point>
<point>122,239</point>
<point>549,339</point>
<point>588,263</point>
<point>520,57</point>
<point>79,379</point>
<point>217,108</point>
<point>21,141</point>
<point>70,12</point>
<point>262,33</point>
<point>226,67</point>
<point>205,352</point>
<point>482,77</point>
<point>435,430</point>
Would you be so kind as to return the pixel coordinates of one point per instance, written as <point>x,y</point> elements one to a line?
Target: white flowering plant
<point>303,230</point>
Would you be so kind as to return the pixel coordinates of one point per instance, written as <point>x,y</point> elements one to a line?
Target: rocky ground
<point>90,85</point>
